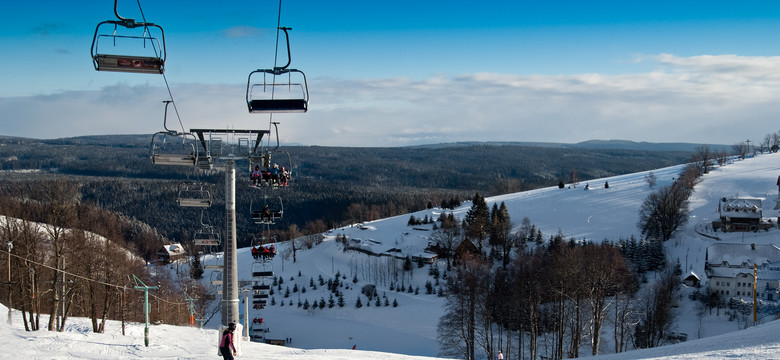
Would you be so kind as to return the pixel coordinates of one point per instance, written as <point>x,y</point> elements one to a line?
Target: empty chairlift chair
<point>125,45</point>
<point>194,195</point>
<point>282,90</point>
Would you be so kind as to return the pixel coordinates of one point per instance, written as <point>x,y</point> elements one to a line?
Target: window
<point>717,283</point>
<point>727,292</point>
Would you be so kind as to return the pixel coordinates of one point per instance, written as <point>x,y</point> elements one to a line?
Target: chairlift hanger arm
<point>276,126</point>
<point>259,139</point>
<point>287,37</point>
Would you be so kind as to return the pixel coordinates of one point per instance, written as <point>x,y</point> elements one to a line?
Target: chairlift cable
<point>165,78</point>
<point>276,60</point>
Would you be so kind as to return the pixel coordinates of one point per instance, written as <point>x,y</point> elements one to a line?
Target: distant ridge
<point>134,140</point>
<point>589,144</point>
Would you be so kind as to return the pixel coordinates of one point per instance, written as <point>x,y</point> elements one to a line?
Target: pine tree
<point>395,303</point>
<point>358,303</point>
<point>341,300</point>
<point>477,221</point>
<point>196,268</point>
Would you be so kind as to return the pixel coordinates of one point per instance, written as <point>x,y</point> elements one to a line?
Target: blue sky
<point>410,72</point>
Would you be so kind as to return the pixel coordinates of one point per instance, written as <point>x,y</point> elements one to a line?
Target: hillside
<point>331,186</point>
<point>596,214</point>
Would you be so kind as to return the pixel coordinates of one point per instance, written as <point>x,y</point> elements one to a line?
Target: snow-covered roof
<point>693,275</point>
<point>738,254</point>
<point>741,208</point>
<point>173,249</point>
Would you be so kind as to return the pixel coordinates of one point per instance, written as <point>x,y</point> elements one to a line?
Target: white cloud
<point>704,99</point>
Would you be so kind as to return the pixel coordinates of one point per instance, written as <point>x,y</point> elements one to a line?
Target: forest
<point>329,186</point>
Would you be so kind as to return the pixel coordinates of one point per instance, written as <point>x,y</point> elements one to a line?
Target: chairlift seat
<point>190,202</point>
<point>173,159</point>
<point>129,63</point>
<point>206,242</point>
<point>278,106</point>
<point>262,274</point>
<point>261,287</point>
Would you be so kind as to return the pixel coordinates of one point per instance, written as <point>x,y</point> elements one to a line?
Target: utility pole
<point>146,306</point>
<point>755,286</point>
<point>10,246</point>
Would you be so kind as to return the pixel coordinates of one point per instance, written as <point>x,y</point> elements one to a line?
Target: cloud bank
<point>703,99</point>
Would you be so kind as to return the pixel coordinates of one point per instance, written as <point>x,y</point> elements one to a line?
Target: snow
<point>409,331</point>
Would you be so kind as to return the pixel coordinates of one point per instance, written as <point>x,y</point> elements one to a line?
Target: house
<point>730,270</point>
<point>426,258</point>
<point>692,280</point>
<point>740,215</point>
<point>465,247</point>
<point>171,253</point>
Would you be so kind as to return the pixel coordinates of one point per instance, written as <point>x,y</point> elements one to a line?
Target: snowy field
<point>410,329</point>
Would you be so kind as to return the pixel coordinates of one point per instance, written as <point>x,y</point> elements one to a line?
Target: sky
<point>408,72</point>
<point>408,331</point>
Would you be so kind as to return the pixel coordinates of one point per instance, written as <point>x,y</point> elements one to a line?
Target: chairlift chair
<point>171,148</point>
<point>270,96</point>
<point>217,265</point>
<point>262,270</point>
<point>216,278</point>
<point>207,236</point>
<point>143,53</point>
<point>270,217</point>
<point>194,195</point>
<point>261,285</point>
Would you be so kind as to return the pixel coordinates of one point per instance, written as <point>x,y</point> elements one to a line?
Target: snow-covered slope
<point>594,214</point>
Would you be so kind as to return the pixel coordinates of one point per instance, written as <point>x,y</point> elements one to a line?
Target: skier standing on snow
<point>226,344</point>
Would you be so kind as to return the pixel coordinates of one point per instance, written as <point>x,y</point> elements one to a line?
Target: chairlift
<point>173,149</point>
<point>207,236</point>
<point>264,172</point>
<point>261,285</point>
<point>272,94</point>
<point>193,194</point>
<point>170,147</point>
<point>217,265</point>
<point>262,270</point>
<point>140,48</point>
<point>266,215</point>
<point>216,278</point>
